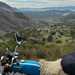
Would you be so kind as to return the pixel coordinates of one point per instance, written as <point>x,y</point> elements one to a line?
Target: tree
<point>50,38</point>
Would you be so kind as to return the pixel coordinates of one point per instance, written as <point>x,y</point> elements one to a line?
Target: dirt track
<point>51,67</point>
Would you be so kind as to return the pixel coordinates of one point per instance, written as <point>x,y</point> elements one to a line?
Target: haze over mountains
<point>51,14</point>
<point>45,12</point>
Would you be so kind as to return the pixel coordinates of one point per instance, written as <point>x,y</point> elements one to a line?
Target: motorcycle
<point>27,67</point>
<point>12,65</point>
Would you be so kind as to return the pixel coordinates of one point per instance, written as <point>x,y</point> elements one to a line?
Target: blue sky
<point>38,3</point>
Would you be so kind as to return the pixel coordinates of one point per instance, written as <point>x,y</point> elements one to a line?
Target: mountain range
<point>51,14</point>
<point>12,19</point>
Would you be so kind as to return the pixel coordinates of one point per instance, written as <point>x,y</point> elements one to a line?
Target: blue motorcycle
<point>27,67</point>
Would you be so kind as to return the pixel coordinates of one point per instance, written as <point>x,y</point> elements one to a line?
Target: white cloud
<point>38,3</point>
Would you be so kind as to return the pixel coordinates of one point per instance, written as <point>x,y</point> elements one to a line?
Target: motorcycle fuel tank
<point>29,67</point>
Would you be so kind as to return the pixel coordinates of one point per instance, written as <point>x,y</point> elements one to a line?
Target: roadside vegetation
<point>49,42</point>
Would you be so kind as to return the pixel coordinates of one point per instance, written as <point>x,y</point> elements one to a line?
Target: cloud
<point>38,3</point>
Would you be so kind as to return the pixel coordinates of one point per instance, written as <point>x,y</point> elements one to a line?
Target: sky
<point>39,3</point>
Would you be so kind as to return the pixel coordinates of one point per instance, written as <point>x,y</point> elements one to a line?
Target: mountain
<point>51,14</point>
<point>5,6</point>
<point>71,8</point>
<point>10,20</point>
<point>13,18</point>
<point>42,11</point>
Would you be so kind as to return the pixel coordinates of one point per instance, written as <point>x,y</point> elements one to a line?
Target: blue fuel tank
<point>29,67</point>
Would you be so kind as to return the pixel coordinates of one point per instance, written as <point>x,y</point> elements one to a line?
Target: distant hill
<point>43,12</point>
<point>51,14</point>
<point>10,20</point>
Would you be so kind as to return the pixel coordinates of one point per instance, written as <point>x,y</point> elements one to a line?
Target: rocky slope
<point>10,20</point>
